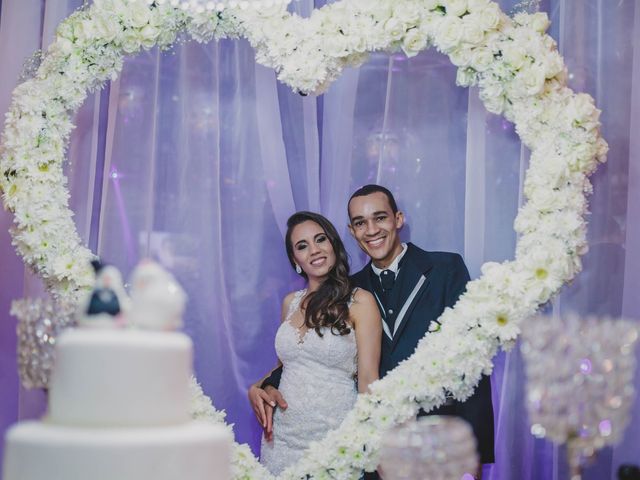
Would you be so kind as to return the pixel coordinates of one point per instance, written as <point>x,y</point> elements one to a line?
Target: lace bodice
<point>318,383</point>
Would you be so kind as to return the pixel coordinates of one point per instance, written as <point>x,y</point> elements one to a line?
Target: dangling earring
<point>298,269</point>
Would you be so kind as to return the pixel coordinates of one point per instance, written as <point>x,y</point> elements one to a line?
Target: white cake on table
<point>119,410</point>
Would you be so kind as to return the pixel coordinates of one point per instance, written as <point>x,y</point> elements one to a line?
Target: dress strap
<point>295,302</point>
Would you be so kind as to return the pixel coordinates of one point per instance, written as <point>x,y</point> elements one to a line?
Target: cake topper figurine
<point>108,303</point>
<point>157,300</point>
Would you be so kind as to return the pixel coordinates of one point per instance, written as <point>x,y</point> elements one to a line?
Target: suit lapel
<point>415,282</point>
<point>365,281</point>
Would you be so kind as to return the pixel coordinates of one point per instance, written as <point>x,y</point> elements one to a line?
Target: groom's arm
<point>273,379</point>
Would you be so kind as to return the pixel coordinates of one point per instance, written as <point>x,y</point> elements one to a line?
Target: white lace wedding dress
<point>318,384</point>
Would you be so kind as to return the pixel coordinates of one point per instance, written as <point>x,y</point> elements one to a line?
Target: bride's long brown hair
<point>329,305</point>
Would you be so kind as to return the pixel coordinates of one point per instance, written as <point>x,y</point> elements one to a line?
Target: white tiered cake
<point>119,410</point>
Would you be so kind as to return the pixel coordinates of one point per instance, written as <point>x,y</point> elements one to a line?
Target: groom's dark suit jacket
<point>427,283</point>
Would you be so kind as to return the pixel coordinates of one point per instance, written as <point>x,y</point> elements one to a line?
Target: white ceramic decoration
<point>157,300</point>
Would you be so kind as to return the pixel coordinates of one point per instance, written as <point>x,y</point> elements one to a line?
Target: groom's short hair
<point>373,188</point>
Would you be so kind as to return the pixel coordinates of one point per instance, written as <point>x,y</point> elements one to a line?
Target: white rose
<point>107,27</point>
<point>83,30</point>
<point>130,41</point>
<point>380,11</point>
<point>466,77</point>
<point>539,21</point>
<point>457,8</point>
<point>473,32</point>
<point>494,104</point>
<point>514,55</point>
<point>62,45</point>
<point>491,87</point>
<point>356,43</point>
<point>490,16</point>
<point>431,4</point>
<point>409,16</point>
<point>475,5</point>
<point>149,35</point>
<point>581,110</point>
<point>530,80</point>
<point>413,42</point>
<point>449,33</point>
<point>394,28</point>
<point>138,14</point>
<point>461,57</point>
<point>553,64</point>
<point>481,58</point>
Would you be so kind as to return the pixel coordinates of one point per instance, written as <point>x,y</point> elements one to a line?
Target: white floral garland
<point>520,75</point>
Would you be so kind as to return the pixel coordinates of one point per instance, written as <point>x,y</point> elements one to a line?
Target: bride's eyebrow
<point>299,242</point>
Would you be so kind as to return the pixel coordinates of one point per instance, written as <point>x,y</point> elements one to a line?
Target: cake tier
<point>117,378</point>
<point>39,451</point>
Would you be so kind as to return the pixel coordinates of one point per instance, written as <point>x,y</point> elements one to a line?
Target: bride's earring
<point>298,269</point>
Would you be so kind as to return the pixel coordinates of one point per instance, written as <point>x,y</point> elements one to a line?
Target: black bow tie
<point>387,279</point>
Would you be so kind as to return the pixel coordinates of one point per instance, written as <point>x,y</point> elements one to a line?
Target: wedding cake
<point>119,410</point>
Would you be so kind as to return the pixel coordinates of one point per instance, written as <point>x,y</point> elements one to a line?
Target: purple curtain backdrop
<point>197,156</point>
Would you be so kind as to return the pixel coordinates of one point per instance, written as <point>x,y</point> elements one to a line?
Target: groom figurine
<point>412,288</point>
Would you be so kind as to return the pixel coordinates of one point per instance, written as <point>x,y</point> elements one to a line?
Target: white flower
<point>473,32</point>
<point>514,55</point>
<point>481,58</point>
<point>490,16</point>
<point>106,27</point>
<point>394,28</point>
<point>529,81</point>
<point>581,111</point>
<point>539,21</point>
<point>466,77</point>
<point>137,14</point>
<point>461,57</point>
<point>449,33</point>
<point>414,42</point>
<point>475,5</point>
<point>407,14</point>
<point>457,8</point>
<point>491,88</point>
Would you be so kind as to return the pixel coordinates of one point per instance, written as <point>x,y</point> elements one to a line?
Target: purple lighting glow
<point>585,366</point>
<point>605,428</point>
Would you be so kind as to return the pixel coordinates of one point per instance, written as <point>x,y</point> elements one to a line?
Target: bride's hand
<point>275,399</point>
<point>260,399</point>
<point>263,402</point>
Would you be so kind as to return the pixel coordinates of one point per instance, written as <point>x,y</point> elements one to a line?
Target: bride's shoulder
<point>288,302</point>
<point>360,296</point>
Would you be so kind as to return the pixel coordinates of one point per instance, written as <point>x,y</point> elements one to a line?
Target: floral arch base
<point>520,74</point>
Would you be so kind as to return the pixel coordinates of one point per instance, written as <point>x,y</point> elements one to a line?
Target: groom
<point>412,288</point>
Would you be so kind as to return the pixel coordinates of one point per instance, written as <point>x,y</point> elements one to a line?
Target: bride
<point>328,344</point>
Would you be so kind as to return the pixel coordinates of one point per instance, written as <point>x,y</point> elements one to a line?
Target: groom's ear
<point>399,220</point>
<point>351,230</point>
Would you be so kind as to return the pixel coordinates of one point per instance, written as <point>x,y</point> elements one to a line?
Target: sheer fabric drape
<point>197,156</point>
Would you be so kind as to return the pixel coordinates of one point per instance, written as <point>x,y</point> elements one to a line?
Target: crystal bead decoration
<point>579,382</point>
<point>40,321</point>
<point>434,447</point>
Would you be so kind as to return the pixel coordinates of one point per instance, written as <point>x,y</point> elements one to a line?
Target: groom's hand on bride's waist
<point>263,402</point>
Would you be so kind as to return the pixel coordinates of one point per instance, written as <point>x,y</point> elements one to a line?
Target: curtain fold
<point>196,156</point>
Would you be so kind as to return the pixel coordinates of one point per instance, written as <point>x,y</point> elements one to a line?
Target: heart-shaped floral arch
<point>519,73</point>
